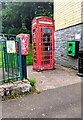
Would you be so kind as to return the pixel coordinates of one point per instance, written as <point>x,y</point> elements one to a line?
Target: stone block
<point>17,87</point>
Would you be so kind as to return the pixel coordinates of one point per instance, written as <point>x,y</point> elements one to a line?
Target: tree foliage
<point>17,17</point>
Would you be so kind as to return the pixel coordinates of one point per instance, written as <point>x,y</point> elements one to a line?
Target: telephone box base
<point>38,69</point>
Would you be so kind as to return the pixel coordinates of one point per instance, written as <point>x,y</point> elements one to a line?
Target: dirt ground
<point>50,79</point>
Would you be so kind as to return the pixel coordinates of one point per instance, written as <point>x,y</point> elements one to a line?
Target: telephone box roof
<point>42,17</point>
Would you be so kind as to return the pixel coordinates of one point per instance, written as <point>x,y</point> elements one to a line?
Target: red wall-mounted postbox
<point>43,43</point>
<point>25,41</point>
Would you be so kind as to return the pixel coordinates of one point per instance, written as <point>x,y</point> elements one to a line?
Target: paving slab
<point>50,79</point>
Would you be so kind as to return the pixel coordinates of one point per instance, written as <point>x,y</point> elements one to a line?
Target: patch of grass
<point>35,90</point>
<point>17,95</point>
<point>13,80</point>
<point>2,45</point>
<point>29,60</point>
<point>32,82</point>
<point>0,60</point>
<point>11,97</point>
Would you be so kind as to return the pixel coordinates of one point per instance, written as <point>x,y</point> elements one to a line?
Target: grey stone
<point>17,87</point>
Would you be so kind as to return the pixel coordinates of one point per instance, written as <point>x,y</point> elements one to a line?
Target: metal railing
<point>10,63</point>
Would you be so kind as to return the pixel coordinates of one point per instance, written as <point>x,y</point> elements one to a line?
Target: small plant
<point>17,95</point>
<point>11,97</point>
<point>34,89</point>
<point>32,82</point>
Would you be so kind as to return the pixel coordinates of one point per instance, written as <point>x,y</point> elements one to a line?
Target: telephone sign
<point>45,22</point>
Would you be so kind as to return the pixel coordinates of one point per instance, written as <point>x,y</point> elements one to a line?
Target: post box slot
<point>70,52</point>
<point>70,44</point>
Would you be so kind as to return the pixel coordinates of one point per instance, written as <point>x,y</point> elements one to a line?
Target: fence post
<point>24,67</point>
<point>20,57</point>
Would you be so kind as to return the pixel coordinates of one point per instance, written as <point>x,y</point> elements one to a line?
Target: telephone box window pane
<point>34,36</point>
<point>46,37</point>
<point>46,30</point>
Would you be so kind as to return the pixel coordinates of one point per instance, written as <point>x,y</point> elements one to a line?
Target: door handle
<point>39,44</point>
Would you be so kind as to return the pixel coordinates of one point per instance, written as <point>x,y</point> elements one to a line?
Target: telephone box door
<point>46,46</point>
<point>34,47</point>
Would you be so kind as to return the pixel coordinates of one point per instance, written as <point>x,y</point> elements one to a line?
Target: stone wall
<point>12,88</point>
<point>61,38</point>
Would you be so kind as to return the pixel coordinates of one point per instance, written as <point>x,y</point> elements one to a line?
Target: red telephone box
<point>43,43</point>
